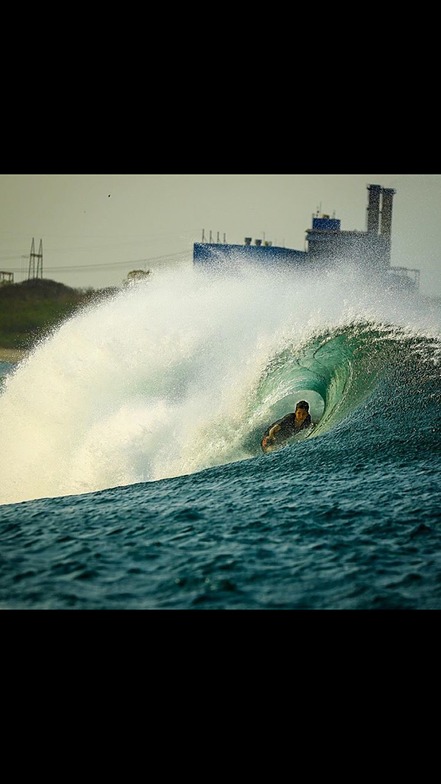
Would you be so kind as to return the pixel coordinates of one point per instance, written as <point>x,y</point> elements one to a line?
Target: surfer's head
<point>302,410</point>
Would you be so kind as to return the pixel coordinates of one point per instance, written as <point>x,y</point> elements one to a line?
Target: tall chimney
<point>386,212</point>
<point>373,209</point>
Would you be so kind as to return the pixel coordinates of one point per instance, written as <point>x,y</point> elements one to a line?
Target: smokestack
<point>386,212</point>
<point>373,209</point>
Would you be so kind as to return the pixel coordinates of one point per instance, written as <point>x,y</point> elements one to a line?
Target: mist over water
<point>167,377</point>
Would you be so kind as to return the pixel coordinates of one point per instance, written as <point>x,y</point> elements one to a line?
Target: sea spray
<point>165,378</point>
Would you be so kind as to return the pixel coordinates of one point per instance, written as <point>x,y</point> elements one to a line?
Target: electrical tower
<point>36,261</point>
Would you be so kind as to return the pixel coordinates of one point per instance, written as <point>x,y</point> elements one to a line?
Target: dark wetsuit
<point>288,428</point>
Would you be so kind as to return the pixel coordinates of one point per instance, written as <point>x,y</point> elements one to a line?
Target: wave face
<point>185,371</point>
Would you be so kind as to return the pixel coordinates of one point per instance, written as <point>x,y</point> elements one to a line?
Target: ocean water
<point>131,471</point>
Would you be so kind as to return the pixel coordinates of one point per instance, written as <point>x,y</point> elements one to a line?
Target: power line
<point>108,265</point>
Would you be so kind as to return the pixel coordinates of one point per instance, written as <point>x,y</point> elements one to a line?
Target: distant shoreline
<point>12,354</point>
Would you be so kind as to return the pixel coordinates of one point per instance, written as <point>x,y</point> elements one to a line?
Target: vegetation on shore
<point>31,309</point>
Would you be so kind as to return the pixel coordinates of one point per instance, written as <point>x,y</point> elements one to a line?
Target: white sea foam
<point>159,380</point>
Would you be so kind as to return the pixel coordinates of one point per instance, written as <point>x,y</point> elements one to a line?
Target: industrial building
<point>326,245</point>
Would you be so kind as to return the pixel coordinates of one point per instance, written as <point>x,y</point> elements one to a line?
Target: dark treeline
<point>31,309</point>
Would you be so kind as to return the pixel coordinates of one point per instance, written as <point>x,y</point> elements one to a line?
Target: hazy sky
<point>96,228</point>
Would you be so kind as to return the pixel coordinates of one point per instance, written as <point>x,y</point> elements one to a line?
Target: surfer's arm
<point>275,429</point>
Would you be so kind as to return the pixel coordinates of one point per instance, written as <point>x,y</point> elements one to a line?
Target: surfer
<point>287,426</point>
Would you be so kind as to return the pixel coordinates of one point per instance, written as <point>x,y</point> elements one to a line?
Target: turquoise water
<point>131,469</point>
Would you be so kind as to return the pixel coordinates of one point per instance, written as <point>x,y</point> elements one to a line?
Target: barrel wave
<point>184,372</point>
<point>379,382</point>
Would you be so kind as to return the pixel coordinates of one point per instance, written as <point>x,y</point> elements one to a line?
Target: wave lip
<point>185,372</point>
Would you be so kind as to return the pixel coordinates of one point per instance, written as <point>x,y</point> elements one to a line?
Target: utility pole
<point>36,270</point>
